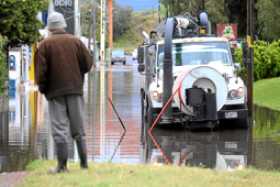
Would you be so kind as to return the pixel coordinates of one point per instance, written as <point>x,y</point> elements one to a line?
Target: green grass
<point>114,175</point>
<point>267,93</point>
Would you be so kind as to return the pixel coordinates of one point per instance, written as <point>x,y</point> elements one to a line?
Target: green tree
<point>86,8</point>
<point>236,12</point>
<point>19,25</point>
<point>176,7</point>
<point>220,11</point>
<point>18,20</point>
<point>215,8</point>
<point>268,15</point>
<point>216,11</point>
<point>3,65</point>
<point>122,20</point>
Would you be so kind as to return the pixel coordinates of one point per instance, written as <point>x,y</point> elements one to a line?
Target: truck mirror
<point>152,50</point>
<point>237,66</point>
<point>141,68</point>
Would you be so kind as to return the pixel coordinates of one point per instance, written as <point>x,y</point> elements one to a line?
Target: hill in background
<point>140,21</point>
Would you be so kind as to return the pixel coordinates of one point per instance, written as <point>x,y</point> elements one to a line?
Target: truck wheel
<point>145,119</point>
<point>124,62</point>
<point>150,117</point>
<point>147,149</point>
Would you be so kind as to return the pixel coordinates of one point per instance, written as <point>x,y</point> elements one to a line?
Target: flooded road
<point>25,133</point>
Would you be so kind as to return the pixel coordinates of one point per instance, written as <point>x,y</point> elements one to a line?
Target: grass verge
<point>267,93</point>
<point>107,175</point>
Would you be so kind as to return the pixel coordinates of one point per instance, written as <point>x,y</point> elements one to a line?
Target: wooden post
<point>250,55</point>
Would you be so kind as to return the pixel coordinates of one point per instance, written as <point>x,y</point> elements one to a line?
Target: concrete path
<point>11,179</point>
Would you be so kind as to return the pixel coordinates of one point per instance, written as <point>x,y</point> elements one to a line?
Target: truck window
<point>199,53</point>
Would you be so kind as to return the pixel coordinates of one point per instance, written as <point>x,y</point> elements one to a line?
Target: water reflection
<point>4,130</point>
<point>266,145</point>
<point>110,141</point>
<point>17,136</point>
<point>25,132</point>
<point>222,150</point>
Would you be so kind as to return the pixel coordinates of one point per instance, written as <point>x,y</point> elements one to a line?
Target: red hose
<point>163,110</point>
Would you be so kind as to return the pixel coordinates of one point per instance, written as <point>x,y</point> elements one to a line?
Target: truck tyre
<point>150,117</point>
<point>124,62</point>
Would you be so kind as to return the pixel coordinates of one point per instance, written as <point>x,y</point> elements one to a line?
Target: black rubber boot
<point>62,157</point>
<point>82,151</point>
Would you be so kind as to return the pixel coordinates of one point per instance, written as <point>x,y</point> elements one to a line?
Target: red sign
<point>228,31</point>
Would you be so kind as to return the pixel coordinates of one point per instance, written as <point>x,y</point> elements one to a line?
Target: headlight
<point>156,96</point>
<point>236,94</point>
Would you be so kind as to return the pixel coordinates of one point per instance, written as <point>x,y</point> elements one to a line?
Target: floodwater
<point>25,133</point>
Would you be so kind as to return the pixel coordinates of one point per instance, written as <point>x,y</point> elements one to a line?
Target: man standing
<point>61,63</point>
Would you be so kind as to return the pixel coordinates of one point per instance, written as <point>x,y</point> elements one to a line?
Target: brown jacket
<point>61,62</point>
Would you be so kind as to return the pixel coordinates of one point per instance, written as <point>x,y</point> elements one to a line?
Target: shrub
<point>266,59</point>
<point>3,65</point>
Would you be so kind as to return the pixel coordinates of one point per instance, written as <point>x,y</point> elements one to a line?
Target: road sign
<point>67,8</point>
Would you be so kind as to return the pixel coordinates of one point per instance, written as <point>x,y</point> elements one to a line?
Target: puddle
<point>222,150</point>
<point>266,135</point>
<point>25,133</point>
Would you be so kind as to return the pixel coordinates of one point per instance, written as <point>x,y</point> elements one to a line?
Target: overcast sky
<point>139,4</point>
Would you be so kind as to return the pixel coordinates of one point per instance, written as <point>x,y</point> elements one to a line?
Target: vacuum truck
<point>190,76</point>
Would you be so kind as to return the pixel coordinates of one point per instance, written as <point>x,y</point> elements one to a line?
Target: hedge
<point>266,59</point>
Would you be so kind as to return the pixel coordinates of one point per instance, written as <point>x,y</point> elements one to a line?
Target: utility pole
<point>110,75</point>
<point>103,31</point>
<point>90,29</point>
<point>102,77</point>
<point>110,17</point>
<point>159,20</point>
<point>77,18</point>
<point>94,12</point>
<point>250,54</point>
